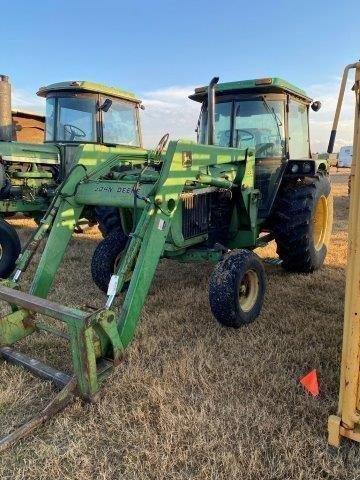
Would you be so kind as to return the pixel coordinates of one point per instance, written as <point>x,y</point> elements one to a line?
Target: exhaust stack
<point>6,126</point>
<point>211,111</point>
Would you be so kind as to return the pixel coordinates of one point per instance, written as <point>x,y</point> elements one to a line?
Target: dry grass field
<point>194,400</point>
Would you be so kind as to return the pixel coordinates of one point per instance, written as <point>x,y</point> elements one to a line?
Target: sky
<point>162,49</point>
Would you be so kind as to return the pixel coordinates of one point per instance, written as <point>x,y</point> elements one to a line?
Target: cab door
<point>298,119</point>
<point>259,123</point>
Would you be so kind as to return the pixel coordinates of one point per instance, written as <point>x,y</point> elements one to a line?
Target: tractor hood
<point>29,152</point>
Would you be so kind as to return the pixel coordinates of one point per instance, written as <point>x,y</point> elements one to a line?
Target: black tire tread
<point>223,288</point>
<point>11,247</point>
<point>108,219</point>
<point>292,219</point>
<point>102,263</point>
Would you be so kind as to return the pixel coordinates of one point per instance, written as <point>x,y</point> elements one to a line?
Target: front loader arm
<point>91,161</point>
<point>182,165</point>
<point>95,337</point>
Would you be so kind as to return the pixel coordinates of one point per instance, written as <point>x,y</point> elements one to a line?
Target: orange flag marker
<point>310,383</point>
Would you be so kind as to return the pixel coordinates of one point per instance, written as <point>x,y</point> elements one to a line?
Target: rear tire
<point>303,223</point>
<point>105,258</point>
<point>237,288</point>
<point>10,248</point>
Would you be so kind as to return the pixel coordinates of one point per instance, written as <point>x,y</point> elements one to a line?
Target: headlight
<point>306,167</point>
<point>294,168</point>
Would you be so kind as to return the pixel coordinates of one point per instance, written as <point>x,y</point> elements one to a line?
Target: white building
<point>345,156</point>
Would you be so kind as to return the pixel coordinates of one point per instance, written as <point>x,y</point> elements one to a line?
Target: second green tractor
<point>77,113</point>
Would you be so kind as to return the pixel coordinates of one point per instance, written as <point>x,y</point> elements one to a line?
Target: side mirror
<point>316,106</point>
<point>106,105</point>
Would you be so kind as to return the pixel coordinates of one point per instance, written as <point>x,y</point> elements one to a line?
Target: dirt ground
<point>194,400</point>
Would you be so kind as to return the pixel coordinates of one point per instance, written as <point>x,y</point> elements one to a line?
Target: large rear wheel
<point>303,222</point>
<point>10,248</point>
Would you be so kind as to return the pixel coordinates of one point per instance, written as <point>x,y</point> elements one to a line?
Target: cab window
<point>50,120</point>
<point>120,125</point>
<point>259,124</point>
<point>222,124</point>
<point>298,130</point>
<point>76,120</point>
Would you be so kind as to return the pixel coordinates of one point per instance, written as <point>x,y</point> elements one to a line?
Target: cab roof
<point>258,85</point>
<point>85,86</point>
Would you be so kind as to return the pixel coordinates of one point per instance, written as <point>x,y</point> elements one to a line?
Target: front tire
<point>237,288</point>
<point>303,223</point>
<point>10,248</point>
<point>108,219</point>
<point>106,257</point>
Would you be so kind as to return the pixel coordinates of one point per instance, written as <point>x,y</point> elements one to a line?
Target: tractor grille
<point>195,213</point>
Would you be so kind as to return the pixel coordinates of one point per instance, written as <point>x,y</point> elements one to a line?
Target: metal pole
<point>6,127</point>
<point>338,106</point>
<point>347,422</point>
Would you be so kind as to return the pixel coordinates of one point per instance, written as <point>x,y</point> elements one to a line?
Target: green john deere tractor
<point>271,117</point>
<point>249,179</point>
<point>76,113</point>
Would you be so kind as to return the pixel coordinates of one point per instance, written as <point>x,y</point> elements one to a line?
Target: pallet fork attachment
<point>62,399</point>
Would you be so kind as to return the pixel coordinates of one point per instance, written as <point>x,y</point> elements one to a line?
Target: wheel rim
<point>1,252</point>
<point>116,266</point>
<point>248,290</point>
<point>320,222</point>
<point>117,261</point>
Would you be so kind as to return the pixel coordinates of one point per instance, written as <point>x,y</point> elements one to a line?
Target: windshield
<point>75,119</point>
<point>258,124</point>
<point>222,136</point>
<point>120,125</point>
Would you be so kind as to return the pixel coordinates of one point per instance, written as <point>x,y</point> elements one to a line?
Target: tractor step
<point>272,261</point>
<point>41,305</point>
<point>35,366</point>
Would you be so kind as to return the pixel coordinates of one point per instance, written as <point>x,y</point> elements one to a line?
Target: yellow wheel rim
<point>321,216</point>
<point>248,290</point>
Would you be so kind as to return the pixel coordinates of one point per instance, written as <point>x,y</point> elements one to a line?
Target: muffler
<point>211,111</point>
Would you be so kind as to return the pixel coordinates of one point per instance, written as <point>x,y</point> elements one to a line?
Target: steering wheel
<point>161,146</point>
<point>262,147</point>
<point>250,136</point>
<point>71,130</point>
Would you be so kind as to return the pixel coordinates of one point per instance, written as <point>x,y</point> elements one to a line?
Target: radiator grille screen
<point>196,214</point>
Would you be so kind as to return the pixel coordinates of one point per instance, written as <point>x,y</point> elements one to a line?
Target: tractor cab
<point>85,112</point>
<point>82,112</point>
<point>268,115</point>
